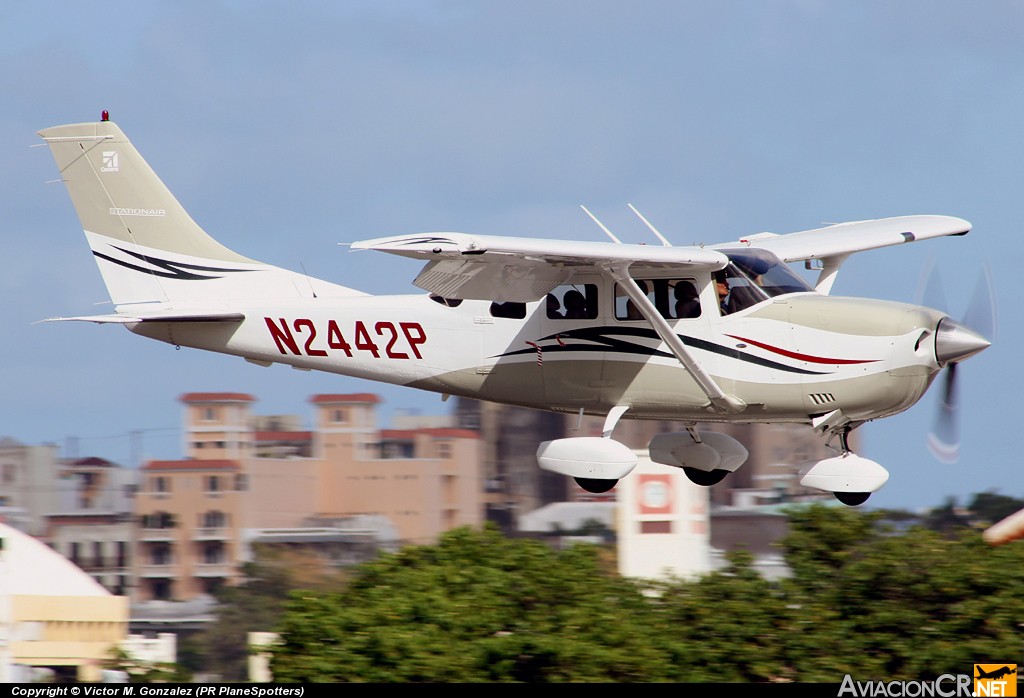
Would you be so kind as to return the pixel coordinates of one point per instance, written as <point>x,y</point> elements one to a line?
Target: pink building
<point>257,478</point>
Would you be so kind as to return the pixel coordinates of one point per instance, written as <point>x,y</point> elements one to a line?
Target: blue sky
<point>286,128</point>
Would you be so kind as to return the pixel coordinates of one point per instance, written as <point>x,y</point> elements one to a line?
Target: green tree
<point>990,507</point>
<point>863,599</point>
<point>914,604</point>
<point>476,607</point>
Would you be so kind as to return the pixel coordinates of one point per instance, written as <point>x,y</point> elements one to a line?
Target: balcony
<point>156,535</point>
<point>215,533</point>
<point>164,571</point>
<point>214,569</point>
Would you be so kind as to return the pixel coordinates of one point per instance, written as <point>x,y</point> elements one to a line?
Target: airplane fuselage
<point>787,359</point>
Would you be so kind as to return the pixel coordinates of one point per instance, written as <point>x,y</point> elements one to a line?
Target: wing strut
<point>721,401</point>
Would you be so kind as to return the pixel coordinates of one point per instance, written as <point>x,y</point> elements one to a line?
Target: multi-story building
<point>91,523</point>
<point>249,479</point>
<point>187,512</point>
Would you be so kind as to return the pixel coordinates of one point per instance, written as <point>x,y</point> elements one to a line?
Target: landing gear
<point>849,477</point>
<point>705,478</point>
<point>595,486</point>
<point>852,499</point>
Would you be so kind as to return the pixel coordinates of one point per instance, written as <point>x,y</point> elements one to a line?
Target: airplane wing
<point>843,239</point>
<point>484,267</point>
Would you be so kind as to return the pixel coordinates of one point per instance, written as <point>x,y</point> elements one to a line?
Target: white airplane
<point>598,328</point>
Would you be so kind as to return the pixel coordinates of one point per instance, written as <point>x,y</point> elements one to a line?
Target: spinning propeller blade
<point>956,342</point>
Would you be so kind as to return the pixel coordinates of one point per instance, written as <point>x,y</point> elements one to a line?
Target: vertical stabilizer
<point>148,248</point>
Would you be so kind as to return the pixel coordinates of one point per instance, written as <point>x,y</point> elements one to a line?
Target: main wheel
<point>594,485</point>
<point>852,499</point>
<point>705,478</point>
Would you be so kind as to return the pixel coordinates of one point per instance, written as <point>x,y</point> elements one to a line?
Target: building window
<point>97,554</point>
<point>212,483</point>
<point>122,556</point>
<point>159,519</point>
<point>161,484</point>
<point>209,414</point>
<point>444,450</point>
<point>241,482</point>
<point>339,416</point>
<point>214,519</point>
<point>213,584</point>
<point>213,554</point>
<point>161,589</point>
<point>9,471</point>
<point>75,553</point>
<point>161,555</point>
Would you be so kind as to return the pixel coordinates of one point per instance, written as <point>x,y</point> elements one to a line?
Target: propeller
<point>955,342</point>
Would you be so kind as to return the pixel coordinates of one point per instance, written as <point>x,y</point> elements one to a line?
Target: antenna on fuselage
<point>599,223</point>
<point>654,230</point>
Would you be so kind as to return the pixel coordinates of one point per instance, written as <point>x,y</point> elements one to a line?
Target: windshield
<point>754,275</point>
<point>766,271</point>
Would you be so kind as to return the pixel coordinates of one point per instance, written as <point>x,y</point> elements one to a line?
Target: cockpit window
<point>755,275</point>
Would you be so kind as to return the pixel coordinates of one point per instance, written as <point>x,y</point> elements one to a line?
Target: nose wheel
<point>594,485</point>
<point>852,499</point>
<point>849,477</point>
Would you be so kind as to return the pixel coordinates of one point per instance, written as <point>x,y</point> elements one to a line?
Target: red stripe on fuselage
<point>802,357</point>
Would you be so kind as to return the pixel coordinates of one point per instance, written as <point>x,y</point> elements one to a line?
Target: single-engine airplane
<point>725,332</point>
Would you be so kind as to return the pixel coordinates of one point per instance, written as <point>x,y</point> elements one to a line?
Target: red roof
<point>192,464</point>
<point>284,436</point>
<point>347,398</point>
<point>217,397</point>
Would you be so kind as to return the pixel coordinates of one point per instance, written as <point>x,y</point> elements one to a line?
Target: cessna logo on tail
<point>109,161</point>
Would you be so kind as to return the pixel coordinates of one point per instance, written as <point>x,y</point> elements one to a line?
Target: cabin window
<point>675,299</point>
<point>513,310</point>
<point>573,302</point>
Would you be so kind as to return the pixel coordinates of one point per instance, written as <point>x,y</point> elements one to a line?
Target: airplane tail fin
<point>147,247</point>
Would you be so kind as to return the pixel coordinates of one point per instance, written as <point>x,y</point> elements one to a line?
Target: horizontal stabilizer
<point>153,317</point>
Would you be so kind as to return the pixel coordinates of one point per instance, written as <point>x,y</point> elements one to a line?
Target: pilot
<point>687,305</point>
<point>722,287</point>
<point>575,305</point>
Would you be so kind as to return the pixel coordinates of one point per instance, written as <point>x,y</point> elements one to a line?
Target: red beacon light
<point>105,116</point>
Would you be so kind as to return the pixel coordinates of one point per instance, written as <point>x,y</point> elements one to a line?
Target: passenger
<point>632,312</point>
<point>687,305</point>
<point>575,305</point>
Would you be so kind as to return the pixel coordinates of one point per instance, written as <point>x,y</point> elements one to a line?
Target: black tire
<point>594,485</point>
<point>852,499</point>
<point>705,478</point>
